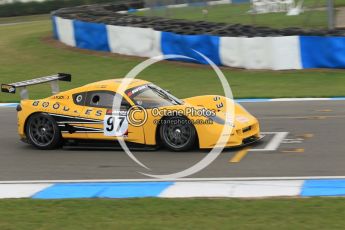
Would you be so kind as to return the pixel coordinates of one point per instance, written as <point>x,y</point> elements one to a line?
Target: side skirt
<point>100,144</point>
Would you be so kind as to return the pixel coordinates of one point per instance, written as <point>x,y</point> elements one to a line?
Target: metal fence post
<point>330,9</point>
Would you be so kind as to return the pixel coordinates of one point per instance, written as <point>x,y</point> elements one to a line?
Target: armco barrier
<point>270,52</point>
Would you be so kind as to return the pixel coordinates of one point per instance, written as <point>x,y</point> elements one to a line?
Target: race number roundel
<point>115,125</point>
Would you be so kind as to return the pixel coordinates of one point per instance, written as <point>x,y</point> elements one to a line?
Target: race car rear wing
<point>12,88</point>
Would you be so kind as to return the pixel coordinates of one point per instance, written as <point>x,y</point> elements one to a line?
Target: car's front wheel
<point>177,133</point>
<point>43,132</point>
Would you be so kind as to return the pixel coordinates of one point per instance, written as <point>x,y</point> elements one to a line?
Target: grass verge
<point>28,18</point>
<point>232,14</point>
<point>24,55</point>
<point>308,213</point>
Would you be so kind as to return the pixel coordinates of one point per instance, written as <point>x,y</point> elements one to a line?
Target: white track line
<point>274,142</point>
<point>180,179</point>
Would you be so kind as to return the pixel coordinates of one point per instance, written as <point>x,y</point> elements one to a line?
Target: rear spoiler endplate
<point>53,80</point>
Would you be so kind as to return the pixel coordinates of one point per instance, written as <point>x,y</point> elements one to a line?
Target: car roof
<point>113,84</point>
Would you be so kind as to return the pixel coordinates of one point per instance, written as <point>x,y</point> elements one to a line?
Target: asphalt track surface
<point>314,146</point>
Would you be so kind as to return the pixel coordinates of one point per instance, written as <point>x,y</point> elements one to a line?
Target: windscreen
<point>151,96</point>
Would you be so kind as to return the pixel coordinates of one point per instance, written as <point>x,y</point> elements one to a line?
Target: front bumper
<point>241,136</point>
<point>251,140</point>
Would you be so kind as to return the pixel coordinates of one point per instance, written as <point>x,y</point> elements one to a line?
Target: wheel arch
<point>32,114</point>
<point>55,140</point>
<point>27,119</point>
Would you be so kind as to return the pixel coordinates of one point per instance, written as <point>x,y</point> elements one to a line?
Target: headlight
<point>242,119</point>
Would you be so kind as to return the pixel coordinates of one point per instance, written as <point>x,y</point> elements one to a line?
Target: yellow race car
<point>146,115</point>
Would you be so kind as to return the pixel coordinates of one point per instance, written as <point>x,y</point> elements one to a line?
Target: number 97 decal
<point>115,125</point>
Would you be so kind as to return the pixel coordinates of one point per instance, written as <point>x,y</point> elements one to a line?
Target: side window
<point>125,104</point>
<point>102,99</point>
<point>79,98</point>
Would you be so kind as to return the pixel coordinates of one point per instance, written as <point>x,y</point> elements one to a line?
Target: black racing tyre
<point>43,132</point>
<point>177,133</point>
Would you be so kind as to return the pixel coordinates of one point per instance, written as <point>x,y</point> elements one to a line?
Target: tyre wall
<point>276,52</point>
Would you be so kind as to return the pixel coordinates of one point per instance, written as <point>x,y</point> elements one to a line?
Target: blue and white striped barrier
<point>276,53</point>
<point>183,189</point>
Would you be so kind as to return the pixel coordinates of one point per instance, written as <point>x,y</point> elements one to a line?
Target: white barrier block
<point>177,6</point>
<point>231,51</point>
<point>65,31</point>
<point>234,189</point>
<point>268,188</point>
<point>249,53</point>
<point>20,190</point>
<point>142,42</point>
<point>287,53</point>
<point>277,53</point>
<point>144,9</point>
<point>198,189</point>
<point>221,2</point>
<point>256,53</point>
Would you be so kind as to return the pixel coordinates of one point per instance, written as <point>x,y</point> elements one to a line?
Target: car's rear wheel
<point>43,132</point>
<point>177,133</point>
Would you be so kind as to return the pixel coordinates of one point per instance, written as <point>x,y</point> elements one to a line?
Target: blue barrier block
<point>64,191</point>
<point>323,188</point>
<point>322,52</point>
<point>132,10</point>
<point>103,190</point>
<point>172,43</point>
<point>128,190</point>
<point>337,98</point>
<point>92,36</point>
<point>240,1</point>
<point>55,33</point>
